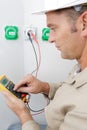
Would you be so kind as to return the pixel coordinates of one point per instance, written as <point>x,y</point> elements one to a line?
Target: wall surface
<point>53,68</point>
<point>11,54</point>
<point>11,51</point>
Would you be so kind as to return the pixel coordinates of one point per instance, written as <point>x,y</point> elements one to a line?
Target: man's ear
<point>84,24</point>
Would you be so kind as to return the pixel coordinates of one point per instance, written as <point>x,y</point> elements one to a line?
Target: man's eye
<point>53,29</point>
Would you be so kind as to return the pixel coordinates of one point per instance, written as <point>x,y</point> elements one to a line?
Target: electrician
<point>67,20</point>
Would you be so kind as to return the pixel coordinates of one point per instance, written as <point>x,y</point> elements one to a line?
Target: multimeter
<point>7,85</point>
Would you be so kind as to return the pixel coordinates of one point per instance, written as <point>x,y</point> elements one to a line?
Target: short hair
<point>74,12</point>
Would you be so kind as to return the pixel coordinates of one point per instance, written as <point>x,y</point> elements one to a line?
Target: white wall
<point>11,53</point>
<point>53,68</point>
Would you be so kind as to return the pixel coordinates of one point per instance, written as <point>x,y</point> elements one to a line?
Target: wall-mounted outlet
<point>30,30</point>
<point>11,32</point>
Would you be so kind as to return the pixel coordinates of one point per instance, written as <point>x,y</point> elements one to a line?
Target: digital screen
<point>4,81</point>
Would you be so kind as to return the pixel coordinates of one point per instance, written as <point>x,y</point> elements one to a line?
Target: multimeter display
<point>5,83</point>
<point>10,85</point>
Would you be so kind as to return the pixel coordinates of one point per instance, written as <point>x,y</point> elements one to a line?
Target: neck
<point>83,60</point>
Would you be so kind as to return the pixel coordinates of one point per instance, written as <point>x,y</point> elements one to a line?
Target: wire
<point>36,112</point>
<point>34,52</point>
<point>38,62</point>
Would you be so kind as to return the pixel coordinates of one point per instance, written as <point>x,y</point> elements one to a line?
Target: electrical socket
<point>30,29</point>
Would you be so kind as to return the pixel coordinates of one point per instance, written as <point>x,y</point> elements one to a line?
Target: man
<point>67,21</point>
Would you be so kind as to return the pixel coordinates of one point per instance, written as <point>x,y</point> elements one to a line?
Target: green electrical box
<point>45,34</point>
<point>11,32</point>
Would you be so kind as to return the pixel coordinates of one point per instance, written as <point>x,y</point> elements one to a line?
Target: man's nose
<point>51,39</point>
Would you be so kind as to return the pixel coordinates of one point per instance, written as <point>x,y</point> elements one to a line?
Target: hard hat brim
<point>58,7</point>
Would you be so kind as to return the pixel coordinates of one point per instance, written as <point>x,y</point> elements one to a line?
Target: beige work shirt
<point>68,107</point>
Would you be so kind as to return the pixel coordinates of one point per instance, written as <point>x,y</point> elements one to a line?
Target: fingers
<point>10,99</point>
<point>19,85</point>
<point>24,82</point>
<point>6,94</point>
<point>29,85</point>
<point>23,89</point>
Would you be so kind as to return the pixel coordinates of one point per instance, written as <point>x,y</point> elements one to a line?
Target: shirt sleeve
<point>31,125</point>
<point>53,89</point>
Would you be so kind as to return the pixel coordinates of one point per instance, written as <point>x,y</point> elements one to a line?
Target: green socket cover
<point>45,34</point>
<point>11,32</point>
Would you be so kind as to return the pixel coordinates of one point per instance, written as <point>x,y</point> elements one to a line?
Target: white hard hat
<point>50,5</point>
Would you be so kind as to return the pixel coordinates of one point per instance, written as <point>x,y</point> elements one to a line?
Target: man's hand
<point>30,84</point>
<point>18,107</point>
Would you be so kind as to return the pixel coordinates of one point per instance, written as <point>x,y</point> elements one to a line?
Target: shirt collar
<point>78,80</point>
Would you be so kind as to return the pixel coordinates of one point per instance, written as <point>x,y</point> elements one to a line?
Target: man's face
<point>67,42</point>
